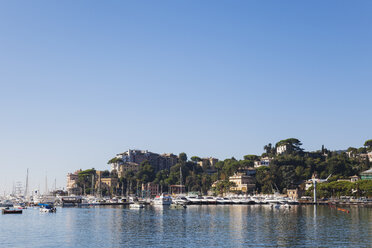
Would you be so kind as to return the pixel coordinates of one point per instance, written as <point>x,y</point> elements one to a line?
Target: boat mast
<point>26,189</point>
<point>46,184</point>
<point>92,192</point>
<point>181,178</point>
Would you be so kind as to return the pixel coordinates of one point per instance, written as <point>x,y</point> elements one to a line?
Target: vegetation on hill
<point>286,170</point>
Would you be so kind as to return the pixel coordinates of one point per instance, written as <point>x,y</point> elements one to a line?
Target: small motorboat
<point>11,211</point>
<point>136,205</point>
<point>47,208</point>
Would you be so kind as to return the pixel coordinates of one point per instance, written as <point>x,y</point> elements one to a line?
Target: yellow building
<point>127,166</point>
<point>107,183</point>
<point>243,183</point>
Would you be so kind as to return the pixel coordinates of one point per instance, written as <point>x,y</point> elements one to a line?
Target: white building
<point>281,149</point>
<point>263,162</point>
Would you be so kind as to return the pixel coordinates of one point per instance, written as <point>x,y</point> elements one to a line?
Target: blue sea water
<point>196,226</point>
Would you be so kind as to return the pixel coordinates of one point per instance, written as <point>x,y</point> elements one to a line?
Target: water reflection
<point>196,226</point>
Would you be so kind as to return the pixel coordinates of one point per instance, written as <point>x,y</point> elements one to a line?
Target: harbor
<point>196,226</point>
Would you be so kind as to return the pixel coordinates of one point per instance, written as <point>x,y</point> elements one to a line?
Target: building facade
<point>151,189</point>
<point>366,175</point>
<point>263,162</point>
<point>72,187</point>
<point>208,162</point>
<point>131,160</point>
<point>281,149</point>
<point>243,183</point>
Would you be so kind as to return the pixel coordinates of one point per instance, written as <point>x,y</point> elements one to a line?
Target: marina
<point>196,226</point>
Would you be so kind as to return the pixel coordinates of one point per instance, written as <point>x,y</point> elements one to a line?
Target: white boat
<point>162,200</point>
<point>180,200</point>
<point>136,205</point>
<point>210,200</point>
<point>247,200</point>
<point>236,200</point>
<point>220,200</point>
<point>194,199</point>
<point>6,204</point>
<point>47,208</point>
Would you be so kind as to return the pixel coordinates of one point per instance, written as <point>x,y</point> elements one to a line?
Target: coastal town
<point>146,173</point>
<point>283,174</point>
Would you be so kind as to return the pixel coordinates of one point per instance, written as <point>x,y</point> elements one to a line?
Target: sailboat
<point>178,204</point>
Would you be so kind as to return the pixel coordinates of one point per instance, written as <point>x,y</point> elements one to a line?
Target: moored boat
<point>162,200</point>
<point>11,211</point>
<point>220,200</point>
<point>194,199</point>
<point>47,208</point>
<point>181,200</point>
<point>136,205</point>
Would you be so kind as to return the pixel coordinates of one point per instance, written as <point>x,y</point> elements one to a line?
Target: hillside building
<point>243,182</point>
<point>366,175</point>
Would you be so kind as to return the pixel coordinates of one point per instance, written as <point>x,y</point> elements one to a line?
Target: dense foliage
<point>286,171</point>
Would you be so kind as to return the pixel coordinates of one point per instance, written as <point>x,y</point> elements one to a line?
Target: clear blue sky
<point>84,80</point>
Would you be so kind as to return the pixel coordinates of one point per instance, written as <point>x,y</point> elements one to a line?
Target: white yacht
<point>194,199</point>
<point>162,200</point>
<point>180,200</point>
<point>210,200</point>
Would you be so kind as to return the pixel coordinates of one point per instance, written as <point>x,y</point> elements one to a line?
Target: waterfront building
<point>177,189</point>
<point>72,187</point>
<point>243,183</point>
<point>294,194</point>
<point>104,183</point>
<point>366,175</point>
<point>151,189</point>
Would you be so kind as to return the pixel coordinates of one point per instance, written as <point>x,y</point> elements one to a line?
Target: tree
<point>105,173</point>
<point>368,144</point>
<point>269,148</point>
<point>114,160</point>
<point>251,157</point>
<point>85,180</point>
<point>182,156</point>
<point>264,180</point>
<point>224,186</point>
<point>196,159</point>
<point>288,176</point>
<point>362,150</point>
<point>352,150</point>
<point>130,178</point>
<point>160,179</point>
<point>293,145</point>
<point>146,173</point>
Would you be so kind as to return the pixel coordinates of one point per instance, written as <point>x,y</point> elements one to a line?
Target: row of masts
<point>18,187</point>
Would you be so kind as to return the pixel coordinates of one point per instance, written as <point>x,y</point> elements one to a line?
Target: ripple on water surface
<point>196,226</point>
